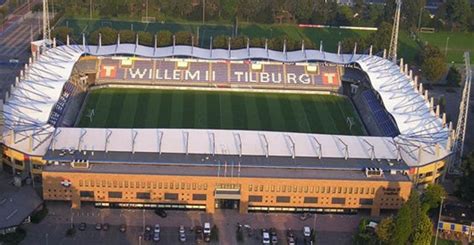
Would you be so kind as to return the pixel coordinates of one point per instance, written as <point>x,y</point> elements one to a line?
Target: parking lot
<point>330,228</point>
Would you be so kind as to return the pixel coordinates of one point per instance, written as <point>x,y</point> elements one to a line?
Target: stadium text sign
<point>217,75</point>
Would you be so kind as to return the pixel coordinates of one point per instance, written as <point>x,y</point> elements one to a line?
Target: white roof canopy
<point>423,137</point>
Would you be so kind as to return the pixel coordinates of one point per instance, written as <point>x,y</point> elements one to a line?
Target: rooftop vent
<point>373,172</point>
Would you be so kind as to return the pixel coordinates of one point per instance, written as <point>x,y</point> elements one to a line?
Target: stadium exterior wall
<point>265,192</point>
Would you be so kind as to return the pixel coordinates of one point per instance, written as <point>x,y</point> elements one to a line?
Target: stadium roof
<point>423,137</point>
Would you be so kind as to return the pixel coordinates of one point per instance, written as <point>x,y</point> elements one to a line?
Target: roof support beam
<point>345,148</point>
<point>186,142</point>
<point>371,149</point>
<point>239,143</point>
<point>318,147</point>
<point>108,133</point>
<point>134,138</point>
<point>212,139</point>
<point>264,143</point>
<point>159,135</point>
<point>292,145</point>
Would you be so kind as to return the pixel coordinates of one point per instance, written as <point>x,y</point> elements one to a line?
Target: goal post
<point>149,19</point>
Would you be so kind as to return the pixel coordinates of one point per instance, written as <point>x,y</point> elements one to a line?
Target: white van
<point>265,237</point>
<point>306,231</point>
<point>207,228</point>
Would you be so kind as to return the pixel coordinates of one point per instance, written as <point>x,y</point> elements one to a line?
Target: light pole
<point>146,10</point>
<point>439,218</point>
<point>203,11</point>
<point>140,240</point>
<point>143,217</point>
<point>419,18</point>
<point>446,47</point>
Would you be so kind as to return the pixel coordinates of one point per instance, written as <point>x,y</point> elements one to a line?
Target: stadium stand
<point>382,119</point>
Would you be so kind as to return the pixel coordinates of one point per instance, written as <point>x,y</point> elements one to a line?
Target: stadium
<point>251,129</point>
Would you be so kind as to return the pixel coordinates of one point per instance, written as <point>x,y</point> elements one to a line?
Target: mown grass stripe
<point>142,110</point>
<point>253,120</point>
<point>188,110</point>
<point>226,114</point>
<point>153,112</point>
<point>240,111</point>
<point>213,111</point>
<point>115,109</point>
<point>275,110</point>
<point>165,110</point>
<point>130,104</point>
<point>200,110</point>
<point>176,118</point>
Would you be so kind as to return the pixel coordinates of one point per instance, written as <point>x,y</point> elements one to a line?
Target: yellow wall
<point>185,186</point>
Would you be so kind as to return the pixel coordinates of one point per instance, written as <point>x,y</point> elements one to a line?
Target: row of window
<point>312,189</point>
<point>334,200</point>
<point>142,184</point>
<point>142,195</point>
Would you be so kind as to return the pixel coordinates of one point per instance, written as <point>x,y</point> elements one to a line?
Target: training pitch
<point>151,108</point>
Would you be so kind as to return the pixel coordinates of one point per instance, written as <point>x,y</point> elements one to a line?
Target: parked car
<point>148,235</point>
<point>123,228</point>
<point>161,212</point>
<point>156,236</point>
<point>98,226</point>
<point>198,231</point>
<point>265,237</point>
<point>182,234</point>
<point>157,228</point>
<point>82,226</point>
<point>105,227</point>
<point>147,228</point>
<point>306,231</point>
<point>273,236</point>
<point>290,237</point>
<point>207,228</point>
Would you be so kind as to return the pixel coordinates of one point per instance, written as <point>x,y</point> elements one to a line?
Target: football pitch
<point>150,108</point>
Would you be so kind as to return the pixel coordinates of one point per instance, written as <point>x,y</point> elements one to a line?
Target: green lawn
<point>458,43</point>
<point>148,108</point>
<point>329,36</point>
<point>444,242</point>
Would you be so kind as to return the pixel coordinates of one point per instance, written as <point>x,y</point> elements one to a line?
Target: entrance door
<point>227,204</point>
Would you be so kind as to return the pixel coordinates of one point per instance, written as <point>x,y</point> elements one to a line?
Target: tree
<point>220,42</point>
<point>214,233</point>
<point>127,36</point>
<point>257,42</point>
<point>432,62</point>
<point>433,68</point>
<point>432,196</point>
<point>384,230</point>
<point>145,38</point>
<point>423,231</point>
<point>238,42</point>
<point>61,33</point>
<point>183,38</point>
<point>380,39</point>
<point>403,225</point>
<point>458,12</point>
<point>303,10</point>
<point>465,187</point>
<point>411,11</point>
<point>454,77</point>
<point>164,38</point>
<point>109,36</point>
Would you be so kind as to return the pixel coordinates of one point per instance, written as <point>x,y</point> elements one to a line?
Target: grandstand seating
<point>383,120</point>
<point>58,108</point>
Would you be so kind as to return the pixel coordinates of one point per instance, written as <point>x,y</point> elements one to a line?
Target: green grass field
<point>148,108</point>
<point>329,36</point>
<point>408,49</point>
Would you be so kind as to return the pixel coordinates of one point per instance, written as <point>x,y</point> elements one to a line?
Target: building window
<point>126,183</point>
<point>356,190</point>
<point>86,194</point>
<point>160,185</point>
<point>310,200</point>
<point>143,195</point>
<point>80,183</point>
<point>316,189</point>
<point>18,163</point>
<point>284,199</point>
<point>255,198</point>
<point>338,200</point>
<point>171,196</point>
<point>199,197</point>
<point>283,188</point>
<point>366,201</point>
<point>350,190</point>
<point>372,191</point>
<point>115,194</point>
